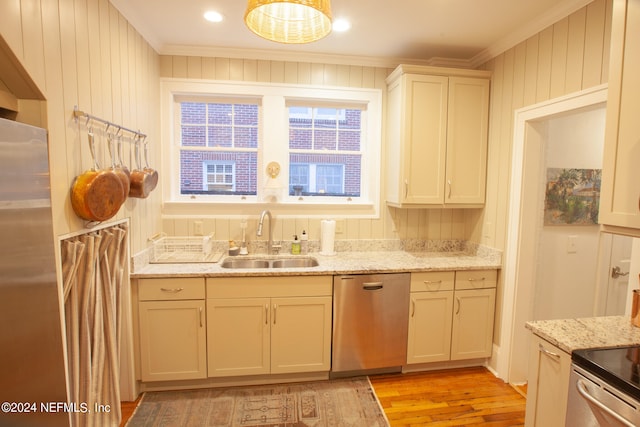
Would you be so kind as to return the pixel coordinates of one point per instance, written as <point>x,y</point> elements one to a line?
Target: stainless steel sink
<point>244,263</point>
<point>294,263</point>
<point>301,262</point>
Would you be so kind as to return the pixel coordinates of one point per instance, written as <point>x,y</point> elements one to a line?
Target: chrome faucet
<point>259,231</point>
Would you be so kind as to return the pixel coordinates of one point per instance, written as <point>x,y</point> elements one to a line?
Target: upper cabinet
<point>620,198</point>
<point>437,137</point>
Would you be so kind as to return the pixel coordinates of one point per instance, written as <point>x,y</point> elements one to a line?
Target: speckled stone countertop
<point>342,263</point>
<point>590,332</point>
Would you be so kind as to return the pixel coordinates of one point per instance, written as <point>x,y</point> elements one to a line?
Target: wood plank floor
<point>455,397</point>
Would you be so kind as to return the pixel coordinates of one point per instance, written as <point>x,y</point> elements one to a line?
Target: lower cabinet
<point>451,315</point>
<point>474,313</point>
<point>286,329</point>
<point>548,384</point>
<point>173,342</point>
<point>430,317</point>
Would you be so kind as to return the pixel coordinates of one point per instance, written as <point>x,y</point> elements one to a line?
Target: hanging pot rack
<point>79,114</point>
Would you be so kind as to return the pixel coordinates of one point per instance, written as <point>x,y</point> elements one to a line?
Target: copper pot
<point>143,180</point>
<point>96,194</point>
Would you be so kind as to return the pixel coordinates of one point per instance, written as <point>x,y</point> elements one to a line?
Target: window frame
<point>273,100</point>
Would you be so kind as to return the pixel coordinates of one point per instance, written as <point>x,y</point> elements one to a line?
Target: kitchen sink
<point>294,263</point>
<point>245,263</point>
<point>269,263</point>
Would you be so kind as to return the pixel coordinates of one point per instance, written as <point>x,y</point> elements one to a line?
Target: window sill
<point>200,209</point>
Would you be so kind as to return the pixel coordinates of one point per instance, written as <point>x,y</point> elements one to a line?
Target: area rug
<point>334,403</point>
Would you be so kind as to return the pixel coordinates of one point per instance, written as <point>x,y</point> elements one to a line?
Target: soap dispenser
<point>295,245</point>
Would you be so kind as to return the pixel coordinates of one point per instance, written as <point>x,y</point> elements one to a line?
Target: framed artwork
<point>572,196</point>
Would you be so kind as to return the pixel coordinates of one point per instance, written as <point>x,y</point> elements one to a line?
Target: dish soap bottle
<point>295,245</point>
<point>304,243</point>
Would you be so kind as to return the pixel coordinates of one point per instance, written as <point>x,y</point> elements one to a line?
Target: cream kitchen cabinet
<point>268,325</point>
<point>437,137</point>
<point>548,384</point>
<point>620,197</point>
<point>430,317</point>
<point>173,341</point>
<point>451,315</point>
<point>474,312</point>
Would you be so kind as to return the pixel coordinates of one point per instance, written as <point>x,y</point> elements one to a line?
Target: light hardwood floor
<point>456,397</point>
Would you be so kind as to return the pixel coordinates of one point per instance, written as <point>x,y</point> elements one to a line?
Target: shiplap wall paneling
<point>84,53</point>
<point>567,57</point>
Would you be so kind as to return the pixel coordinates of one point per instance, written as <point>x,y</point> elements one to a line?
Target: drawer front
<point>171,289</point>
<point>269,286</point>
<point>476,279</point>
<point>432,281</point>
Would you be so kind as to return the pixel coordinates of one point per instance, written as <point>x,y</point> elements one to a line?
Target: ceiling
<point>438,32</point>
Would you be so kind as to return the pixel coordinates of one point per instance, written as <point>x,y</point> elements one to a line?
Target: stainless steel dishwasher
<point>370,322</point>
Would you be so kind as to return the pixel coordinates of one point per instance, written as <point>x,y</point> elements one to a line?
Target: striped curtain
<point>93,277</point>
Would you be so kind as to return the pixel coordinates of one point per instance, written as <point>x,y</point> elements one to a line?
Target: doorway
<point>533,250</point>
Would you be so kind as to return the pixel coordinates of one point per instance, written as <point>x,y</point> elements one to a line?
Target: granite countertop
<point>591,332</point>
<point>342,263</point>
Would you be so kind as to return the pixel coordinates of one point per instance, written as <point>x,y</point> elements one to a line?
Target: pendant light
<point>289,21</point>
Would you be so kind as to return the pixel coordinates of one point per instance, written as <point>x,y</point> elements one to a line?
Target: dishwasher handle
<point>372,286</point>
<point>584,392</point>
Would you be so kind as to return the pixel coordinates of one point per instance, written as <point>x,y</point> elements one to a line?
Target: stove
<point>619,367</point>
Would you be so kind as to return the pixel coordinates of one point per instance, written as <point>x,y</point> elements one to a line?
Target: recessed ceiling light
<point>213,16</point>
<point>341,25</point>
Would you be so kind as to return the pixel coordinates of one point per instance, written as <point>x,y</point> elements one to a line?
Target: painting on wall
<point>572,196</point>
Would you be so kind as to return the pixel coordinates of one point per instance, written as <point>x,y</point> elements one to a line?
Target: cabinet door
<point>467,135</point>
<point>430,327</point>
<point>619,204</point>
<point>548,385</point>
<point>238,336</point>
<point>172,340</point>
<point>472,335</point>
<point>424,137</point>
<point>300,334</point>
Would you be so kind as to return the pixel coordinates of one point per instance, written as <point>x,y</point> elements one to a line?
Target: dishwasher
<point>370,322</point>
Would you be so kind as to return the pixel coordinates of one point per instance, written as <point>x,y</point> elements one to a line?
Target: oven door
<point>592,403</point>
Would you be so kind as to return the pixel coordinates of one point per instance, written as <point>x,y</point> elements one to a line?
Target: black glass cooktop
<point>619,367</point>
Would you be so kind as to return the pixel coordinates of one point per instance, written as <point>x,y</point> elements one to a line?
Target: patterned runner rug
<point>343,402</point>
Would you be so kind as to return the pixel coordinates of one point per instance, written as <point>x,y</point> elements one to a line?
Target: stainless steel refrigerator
<point>32,367</point>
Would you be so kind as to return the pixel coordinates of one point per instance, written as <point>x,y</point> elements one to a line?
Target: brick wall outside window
<point>235,126</point>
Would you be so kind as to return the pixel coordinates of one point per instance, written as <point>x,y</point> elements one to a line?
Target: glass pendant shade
<point>289,21</point>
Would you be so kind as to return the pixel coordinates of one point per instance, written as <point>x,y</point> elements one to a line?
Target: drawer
<point>269,286</point>
<point>476,279</point>
<point>171,289</point>
<point>431,281</point>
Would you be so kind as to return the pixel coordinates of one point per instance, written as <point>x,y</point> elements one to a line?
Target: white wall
<point>567,277</point>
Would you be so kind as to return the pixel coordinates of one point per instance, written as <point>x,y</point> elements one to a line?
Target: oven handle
<point>584,392</point>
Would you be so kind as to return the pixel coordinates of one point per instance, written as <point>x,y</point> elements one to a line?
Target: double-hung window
<point>221,141</point>
<point>218,146</point>
<point>325,157</point>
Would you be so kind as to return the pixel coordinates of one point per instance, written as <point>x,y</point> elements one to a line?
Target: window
<point>219,138</point>
<point>316,179</point>
<point>220,177</point>
<point>328,141</point>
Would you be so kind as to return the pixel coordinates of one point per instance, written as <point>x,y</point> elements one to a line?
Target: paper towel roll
<point>327,237</point>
